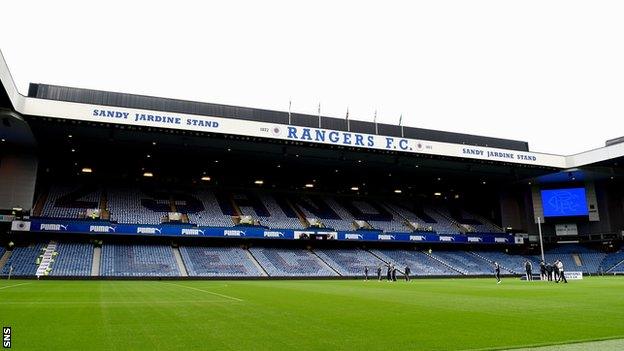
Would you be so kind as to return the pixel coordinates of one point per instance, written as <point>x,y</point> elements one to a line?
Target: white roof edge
<point>596,155</point>
<point>576,160</point>
<point>16,98</point>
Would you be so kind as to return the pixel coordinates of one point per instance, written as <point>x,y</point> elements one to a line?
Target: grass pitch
<point>448,314</point>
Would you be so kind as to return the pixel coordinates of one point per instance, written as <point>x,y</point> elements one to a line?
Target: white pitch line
<point>105,302</point>
<point>208,292</point>
<point>11,286</point>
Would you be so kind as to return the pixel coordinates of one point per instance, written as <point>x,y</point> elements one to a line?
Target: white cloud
<point>549,73</point>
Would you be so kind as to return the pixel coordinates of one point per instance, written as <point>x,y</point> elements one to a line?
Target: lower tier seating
<point>138,260</point>
<point>203,261</point>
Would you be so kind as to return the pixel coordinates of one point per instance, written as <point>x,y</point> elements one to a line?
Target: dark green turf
<point>450,314</point>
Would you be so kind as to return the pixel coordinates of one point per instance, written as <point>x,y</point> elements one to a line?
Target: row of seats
<point>138,260</point>
<point>149,260</point>
<point>419,263</point>
<point>291,263</point>
<point>125,207</point>
<point>201,261</point>
<point>274,210</point>
<point>23,260</point>
<point>69,201</point>
<point>73,259</point>
<point>614,263</point>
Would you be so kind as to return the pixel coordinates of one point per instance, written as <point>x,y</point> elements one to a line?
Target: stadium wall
<point>18,175</point>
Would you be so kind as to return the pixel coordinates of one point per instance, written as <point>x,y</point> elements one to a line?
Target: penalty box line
<point>208,292</point>
<point>12,286</point>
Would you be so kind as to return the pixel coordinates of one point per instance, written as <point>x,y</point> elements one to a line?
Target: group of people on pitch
<point>548,271</point>
<point>391,273</point>
<point>551,271</point>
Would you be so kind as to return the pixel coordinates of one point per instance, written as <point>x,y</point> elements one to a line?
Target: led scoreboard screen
<point>564,202</point>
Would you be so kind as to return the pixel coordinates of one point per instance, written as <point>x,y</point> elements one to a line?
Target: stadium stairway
<point>323,263</point>
<point>577,259</point>
<point>5,257</point>
<point>460,228</point>
<point>300,215</point>
<point>46,261</point>
<point>256,263</point>
<point>509,269</point>
<point>616,268</point>
<point>444,263</point>
<point>400,270</point>
<point>97,257</point>
<point>180,262</point>
<point>41,200</point>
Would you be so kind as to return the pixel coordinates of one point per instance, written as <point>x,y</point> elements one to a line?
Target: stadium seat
<point>74,259</point>
<point>464,262</point>
<point>23,260</point>
<point>291,263</point>
<point>138,260</point>
<point>349,262</point>
<point>203,261</point>
<point>419,263</point>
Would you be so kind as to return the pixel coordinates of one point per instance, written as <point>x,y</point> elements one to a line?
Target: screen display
<point>564,202</point>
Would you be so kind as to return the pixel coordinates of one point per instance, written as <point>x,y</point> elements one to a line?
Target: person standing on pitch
<point>407,273</point>
<point>555,269</point>
<point>394,270</point>
<point>379,273</point>
<point>366,273</point>
<point>542,270</point>
<point>389,273</point>
<point>549,271</point>
<point>497,272</point>
<point>561,273</point>
<point>528,267</point>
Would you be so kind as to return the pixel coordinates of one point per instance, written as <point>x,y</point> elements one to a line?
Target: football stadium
<point>133,222</point>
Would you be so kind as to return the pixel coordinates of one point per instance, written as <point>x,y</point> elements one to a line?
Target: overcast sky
<point>548,72</point>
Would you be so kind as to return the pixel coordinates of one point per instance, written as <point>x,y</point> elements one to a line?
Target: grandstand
<point>116,186</point>
<point>123,260</point>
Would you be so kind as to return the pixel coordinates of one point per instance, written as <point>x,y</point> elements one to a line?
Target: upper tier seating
<point>419,263</point>
<point>480,224</point>
<point>73,259</point>
<point>211,215</point>
<point>290,262</point>
<point>125,207</point>
<point>436,221</point>
<point>70,201</point>
<point>349,262</point>
<point>277,219</point>
<point>442,216</point>
<point>385,221</point>
<point>335,223</point>
<point>201,261</point>
<point>139,260</point>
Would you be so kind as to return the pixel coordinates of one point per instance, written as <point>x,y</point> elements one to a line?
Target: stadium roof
<point>105,98</point>
<point>81,105</point>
